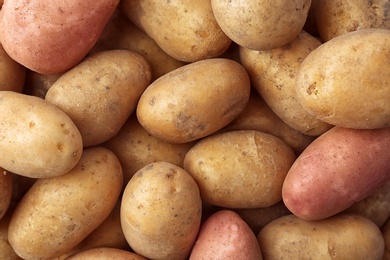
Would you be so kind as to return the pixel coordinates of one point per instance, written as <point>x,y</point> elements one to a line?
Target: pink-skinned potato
<point>50,37</point>
<point>338,169</point>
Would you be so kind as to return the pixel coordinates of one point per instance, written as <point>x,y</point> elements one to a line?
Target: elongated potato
<point>338,169</point>
<point>344,236</point>
<point>42,142</point>
<point>195,100</point>
<point>58,213</point>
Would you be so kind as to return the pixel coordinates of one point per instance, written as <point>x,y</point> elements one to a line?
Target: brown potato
<point>186,30</point>
<point>12,74</point>
<point>105,253</point>
<point>273,74</point>
<point>6,186</point>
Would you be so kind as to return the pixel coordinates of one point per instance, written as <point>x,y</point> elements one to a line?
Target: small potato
<point>161,212</point>
<point>259,24</point>
<point>338,17</point>
<point>186,30</point>
<point>58,213</point>
<point>12,74</point>
<point>225,235</point>
<point>105,253</point>
<point>345,81</point>
<point>37,139</point>
<point>338,169</point>
<point>273,74</point>
<point>135,148</point>
<point>240,169</point>
<point>344,236</point>
<point>101,92</point>
<point>50,37</point>
<point>5,191</point>
<point>195,100</point>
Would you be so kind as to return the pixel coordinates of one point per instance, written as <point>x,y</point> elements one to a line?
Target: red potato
<point>336,170</point>
<point>50,37</point>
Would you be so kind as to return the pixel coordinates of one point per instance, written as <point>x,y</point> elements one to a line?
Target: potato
<point>50,37</point>
<point>195,100</point>
<point>5,191</point>
<point>186,30</point>
<point>345,236</point>
<point>240,169</point>
<point>12,74</point>
<point>101,92</point>
<point>338,169</point>
<point>338,17</point>
<point>37,84</point>
<point>225,235</point>
<point>257,115</point>
<point>161,211</point>
<point>58,213</point>
<point>260,25</point>
<point>105,253</point>
<point>37,139</point>
<point>135,148</point>
<point>273,74</point>
<point>121,33</point>
<point>345,81</point>
<point>6,250</point>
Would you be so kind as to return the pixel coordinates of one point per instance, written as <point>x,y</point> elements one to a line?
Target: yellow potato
<point>101,92</point>
<point>240,169</point>
<point>260,24</point>
<point>186,30</point>
<point>105,253</point>
<point>160,212</point>
<point>58,213</point>
<point>345,81</point>
<point>12,74</point>
<point>195,100</point>
<point>37,139</point>
<point>273,74</point>
<point>6,189</point>
<point>344,236</point>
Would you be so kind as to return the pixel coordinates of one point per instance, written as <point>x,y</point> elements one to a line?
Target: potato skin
<point>240,169</point>
<point>161,211</point>
<point>344,236</point>
<point>48,142</point>
<point>225,235</point>
<point>67,31</point>
<point>345,81</point>
<point>105,253</point>
<point>339,168</point>
<point>58,213</point>
<point>260,25</point>
<point>101,92</point>
<point>195,100</point>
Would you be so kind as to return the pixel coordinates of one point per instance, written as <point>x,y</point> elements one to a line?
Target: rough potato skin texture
<point>50,37</point>
<point>344,236</point>
<point>336,170</point>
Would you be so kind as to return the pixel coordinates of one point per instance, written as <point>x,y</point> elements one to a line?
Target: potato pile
<point>194,129</point>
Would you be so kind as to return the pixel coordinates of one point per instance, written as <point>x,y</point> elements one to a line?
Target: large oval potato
<point>50,37</point>
<point>186,30</point>
<point>161,211</point>
<point>240,169</point>
<point>101,92</point>
<point>37,139</point>
<point>345,81</point>
<point>195,100</point>
<point>338,169</point>
<point>58,213</point>
<point>344,236</point>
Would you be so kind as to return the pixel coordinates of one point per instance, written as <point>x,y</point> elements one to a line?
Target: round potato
<point>259,24</point>
<point>186,30</point>
<point>37,139</point>
<point>12,74</point>
<point>58,213</point>
<point>5,191</point>
<point>345,81</point>
<point>161,212</point>
<point>105,253</point>
<point>344,236</point>
<point>240,169</point>
<point>195,100</point>
<point>273,74</point>
<point>101,92</point>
